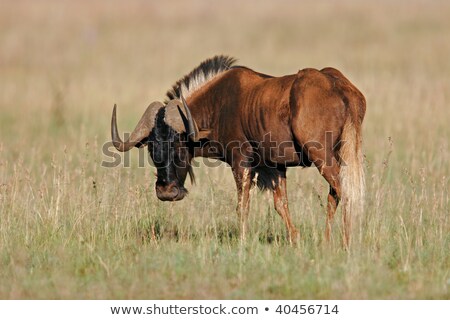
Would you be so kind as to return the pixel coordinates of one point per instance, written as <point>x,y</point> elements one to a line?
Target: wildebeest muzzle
<point>170,192</point>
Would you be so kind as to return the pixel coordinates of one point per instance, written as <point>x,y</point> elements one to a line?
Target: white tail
<point>351,175</point>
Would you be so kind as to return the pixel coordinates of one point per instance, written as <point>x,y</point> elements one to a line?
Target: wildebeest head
<point>167,131</point>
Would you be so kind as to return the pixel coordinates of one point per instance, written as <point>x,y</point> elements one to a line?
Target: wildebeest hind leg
<point>333,201</point>
<point>331,174</point>
<point>329,169</point>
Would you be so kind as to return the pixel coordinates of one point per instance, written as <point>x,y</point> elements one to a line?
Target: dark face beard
<point>168,154</point>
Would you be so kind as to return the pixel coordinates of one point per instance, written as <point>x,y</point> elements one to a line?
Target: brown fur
<point>314,117</point>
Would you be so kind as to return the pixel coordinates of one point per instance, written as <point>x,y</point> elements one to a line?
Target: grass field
<point>70,228</point>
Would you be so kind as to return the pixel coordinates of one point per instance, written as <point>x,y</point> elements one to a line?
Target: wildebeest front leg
<point>242,176</point>
<point>281,206</point>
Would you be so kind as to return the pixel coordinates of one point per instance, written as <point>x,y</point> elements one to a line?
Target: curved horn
<point>192,129</point>
<point>142,130</point>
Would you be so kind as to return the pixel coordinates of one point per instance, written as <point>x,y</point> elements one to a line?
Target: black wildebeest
<point>259,125</point>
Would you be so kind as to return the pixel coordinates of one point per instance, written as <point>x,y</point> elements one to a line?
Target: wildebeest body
<point>294,110</point>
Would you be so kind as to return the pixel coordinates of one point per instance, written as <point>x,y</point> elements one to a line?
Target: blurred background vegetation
<point>72,229</point>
